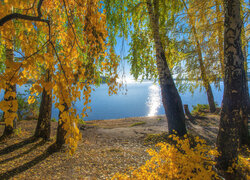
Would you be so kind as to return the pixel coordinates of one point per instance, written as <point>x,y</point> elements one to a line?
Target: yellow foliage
<point>9,106</point>
<point>176,161</point>
<point>76,55</point>
<point>9,117</point>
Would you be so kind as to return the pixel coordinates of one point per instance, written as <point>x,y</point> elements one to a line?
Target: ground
<point>107,147</point>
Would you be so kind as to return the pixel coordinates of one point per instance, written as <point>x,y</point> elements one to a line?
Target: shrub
<point>81,121</point>
<point>177,160</point>
<point>53,120</point>
<point>243,166</point>
<point>200,109</point>
<point>18,132</point>
<point>167,138</point>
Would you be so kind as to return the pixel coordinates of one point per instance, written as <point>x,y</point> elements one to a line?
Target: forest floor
<point>107,147</point>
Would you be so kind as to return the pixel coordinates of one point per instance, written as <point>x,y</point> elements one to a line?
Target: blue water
<point>139,99</point>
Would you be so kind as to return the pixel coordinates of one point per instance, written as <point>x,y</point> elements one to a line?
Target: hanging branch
<point>70,24</point>
<point>25,17</point>
<point>60,62</point>
<point>25,58</point>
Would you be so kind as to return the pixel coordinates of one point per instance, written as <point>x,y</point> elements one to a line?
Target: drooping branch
<point>25,17</point>
<point>73,30</point>
<point>60,62</point>
<point>25,58</point>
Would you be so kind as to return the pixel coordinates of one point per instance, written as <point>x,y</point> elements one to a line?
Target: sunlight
<point>154,100</point>
<point>126,80</point>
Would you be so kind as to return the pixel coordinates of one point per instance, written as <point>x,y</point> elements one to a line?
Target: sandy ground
<point>107,147</point>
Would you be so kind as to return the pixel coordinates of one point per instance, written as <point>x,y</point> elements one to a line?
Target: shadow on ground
<point>15,171</point>
<point>23,153</point>
<point>17,146</point>
<point>207,128</point>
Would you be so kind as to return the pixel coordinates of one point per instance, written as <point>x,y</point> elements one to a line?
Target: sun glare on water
<point>154,100</point>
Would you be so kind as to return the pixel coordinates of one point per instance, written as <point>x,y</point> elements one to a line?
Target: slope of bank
<point>107,147</point>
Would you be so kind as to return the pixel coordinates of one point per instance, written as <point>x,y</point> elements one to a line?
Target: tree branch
<point>70,24</point>
<point>25,58</point>
<point>60,62</point>
<point>27,9</point>
<point>39,8</point>
<point>20,16</point>
<point>25,17</point>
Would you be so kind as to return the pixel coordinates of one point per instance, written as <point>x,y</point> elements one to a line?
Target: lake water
<point>139,99</point>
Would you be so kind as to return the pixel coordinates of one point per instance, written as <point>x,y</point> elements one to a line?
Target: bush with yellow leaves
<point>183,159</point>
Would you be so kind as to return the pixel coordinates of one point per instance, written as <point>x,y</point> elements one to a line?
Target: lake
<point>139,99</point>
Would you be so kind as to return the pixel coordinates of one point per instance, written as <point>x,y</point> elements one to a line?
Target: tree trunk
<point>188,114</point>
<point>220,37</point>
<point>244,139</point>
<point>9,129</point>
<point>61,132</point>
<point>170,97</point>
<point>10,125</point>
<point>44,118</point>
<point>210,96</point>
<point>233,104</point>
<point>204,77</point>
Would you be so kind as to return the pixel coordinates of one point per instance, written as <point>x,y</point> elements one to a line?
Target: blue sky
<point>122,48</point>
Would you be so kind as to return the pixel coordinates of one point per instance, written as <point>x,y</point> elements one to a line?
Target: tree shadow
<point>200,117</point>
<point>13,172</point>
<point>16,146</point>
<point>23,153</point>
<point>206,128</point>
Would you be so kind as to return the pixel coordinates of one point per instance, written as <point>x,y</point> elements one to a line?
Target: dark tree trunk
<point>9,128</point>
<point>44,118</point>
<point>188,114</point>
<point>234,98</point>
<point>210,96</point>
<point>220,37</point>
<point>170,97</point>
<point>245,133</point>
<point>61,132</point>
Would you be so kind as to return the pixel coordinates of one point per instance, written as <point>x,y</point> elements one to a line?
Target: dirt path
<point>107,147</point>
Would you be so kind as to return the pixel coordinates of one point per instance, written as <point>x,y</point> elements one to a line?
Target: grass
<point>81,121</point>
<point>156,138</point>
<point>138,124</point>
<point>53,120</point>
<point>200,110</point>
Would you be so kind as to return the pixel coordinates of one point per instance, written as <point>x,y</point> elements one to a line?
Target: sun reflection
<point>154,100</point>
